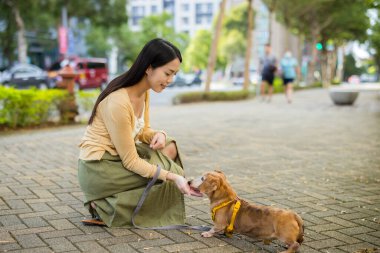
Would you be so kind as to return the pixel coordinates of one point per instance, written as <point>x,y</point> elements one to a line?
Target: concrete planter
<point>343,97</point>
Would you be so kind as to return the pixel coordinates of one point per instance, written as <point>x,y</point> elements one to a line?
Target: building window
<point>169,5</point>
<point>185,7</point>
<point>203,13</point>
<point>209,7</point>
<point>138,11</point>
<point>209,19</point>
<point>153,9</point>
<point>198,8</point>
<point>185,20</point>
<point>198,19</point>
<point>135,20</point>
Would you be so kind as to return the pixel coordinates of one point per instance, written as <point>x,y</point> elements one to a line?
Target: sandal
<point>93,222</point>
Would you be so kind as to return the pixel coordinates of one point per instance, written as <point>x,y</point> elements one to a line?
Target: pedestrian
<point>120,152</point>
<point>268,67</point>
<point>289,70</point>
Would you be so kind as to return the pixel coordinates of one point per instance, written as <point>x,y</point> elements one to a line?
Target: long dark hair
<point>155,53</point>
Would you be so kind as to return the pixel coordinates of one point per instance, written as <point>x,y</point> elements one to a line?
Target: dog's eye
<point>203,178</point>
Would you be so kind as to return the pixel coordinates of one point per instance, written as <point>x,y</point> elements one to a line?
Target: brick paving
<point>318,159</point>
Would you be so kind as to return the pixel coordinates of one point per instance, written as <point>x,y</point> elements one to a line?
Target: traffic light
<point>319,46</point>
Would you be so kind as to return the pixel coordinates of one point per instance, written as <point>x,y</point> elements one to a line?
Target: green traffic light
<point>319,46</point>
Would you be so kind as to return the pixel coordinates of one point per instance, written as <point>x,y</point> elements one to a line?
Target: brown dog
<point>261,222</point>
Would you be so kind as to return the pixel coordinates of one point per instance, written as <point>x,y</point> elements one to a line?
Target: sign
<point>62,39</point>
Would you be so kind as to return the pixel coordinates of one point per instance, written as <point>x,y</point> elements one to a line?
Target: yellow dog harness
<point>230,229</point>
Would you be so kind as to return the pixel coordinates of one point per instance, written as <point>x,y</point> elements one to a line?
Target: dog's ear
<point>220,172</point>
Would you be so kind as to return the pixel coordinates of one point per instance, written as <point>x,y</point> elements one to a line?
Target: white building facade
<point>189,16</point>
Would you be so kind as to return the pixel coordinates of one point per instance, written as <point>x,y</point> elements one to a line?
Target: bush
<point>87,99</point>
<point>278,86</point>
<point>200,96</point>
<point>23,108</point>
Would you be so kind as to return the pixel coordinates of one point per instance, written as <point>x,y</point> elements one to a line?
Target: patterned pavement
<point>318,159</point>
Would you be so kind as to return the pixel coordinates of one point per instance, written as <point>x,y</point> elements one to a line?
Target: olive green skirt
<point>116,190</point>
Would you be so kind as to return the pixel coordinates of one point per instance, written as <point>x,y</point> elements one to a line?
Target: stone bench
<point>346,94</point>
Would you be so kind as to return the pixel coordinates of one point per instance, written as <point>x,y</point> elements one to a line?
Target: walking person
<point>268,67</point>
<point>120,152</point>
<point>289,70</point>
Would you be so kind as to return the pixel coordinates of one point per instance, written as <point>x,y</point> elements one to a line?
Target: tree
<point>271,5</point>
<point>27,16</point>
<point>19,16</point>
<point>233,45</point>
<point>156,26</point>
<point>102,45</point>
<point>350,67</point>
<point>375,42</point>
<point>249,46</point>
<point>214,45</point>
<point>196,53</point>
<point>323,20</point>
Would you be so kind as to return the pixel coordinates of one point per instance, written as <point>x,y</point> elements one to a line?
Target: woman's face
<point>160,77</point>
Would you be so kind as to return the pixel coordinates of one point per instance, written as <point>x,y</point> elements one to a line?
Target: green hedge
<point>199,96</point>
<point>86,99</point>
<point>23,108</point>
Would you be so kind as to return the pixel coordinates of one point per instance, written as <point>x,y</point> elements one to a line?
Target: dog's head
<point>209,182</point>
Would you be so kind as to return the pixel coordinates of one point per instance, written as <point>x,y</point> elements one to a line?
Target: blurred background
<point>333,40</point>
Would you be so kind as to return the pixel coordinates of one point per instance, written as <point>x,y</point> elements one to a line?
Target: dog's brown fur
<point>261,222</point>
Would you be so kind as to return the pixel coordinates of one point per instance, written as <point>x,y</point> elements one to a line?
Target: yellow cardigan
<point>111,131</point>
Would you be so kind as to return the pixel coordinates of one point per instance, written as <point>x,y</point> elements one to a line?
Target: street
<point>318,159</point>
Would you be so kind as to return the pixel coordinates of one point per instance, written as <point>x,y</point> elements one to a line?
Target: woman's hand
<point>158,141</point>
<point>182,184</point>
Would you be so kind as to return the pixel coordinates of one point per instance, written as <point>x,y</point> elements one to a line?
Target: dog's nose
<point>189,182</point>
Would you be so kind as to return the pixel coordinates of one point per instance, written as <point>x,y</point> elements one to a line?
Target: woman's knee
<point>170,151</point>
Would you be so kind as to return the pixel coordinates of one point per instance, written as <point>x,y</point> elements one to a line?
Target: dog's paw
<point>207,234</point>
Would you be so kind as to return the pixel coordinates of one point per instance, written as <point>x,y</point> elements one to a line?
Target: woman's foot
<point>95,221</point>
<point>93,205</point>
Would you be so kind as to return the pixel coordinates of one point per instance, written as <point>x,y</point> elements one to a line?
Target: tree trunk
<point>270,27</point>
<point>325,68</point>
<point>340,67</point>
<point>333,67</point>
<point>21,41</point>
<point>271,8</point>
<point>249,47</point>
<point>301,45</point>
<point>214,46</point>
<point>314,53</point>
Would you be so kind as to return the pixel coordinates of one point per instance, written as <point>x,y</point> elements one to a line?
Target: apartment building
<point>188,15</point>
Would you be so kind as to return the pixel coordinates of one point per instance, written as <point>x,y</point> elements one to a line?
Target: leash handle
<point>141,201</point>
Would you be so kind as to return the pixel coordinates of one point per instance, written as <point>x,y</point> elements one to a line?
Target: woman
<point>120,152</point>
<point>289,69</point>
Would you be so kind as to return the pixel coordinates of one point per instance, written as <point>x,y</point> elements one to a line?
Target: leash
<point>141,201</point>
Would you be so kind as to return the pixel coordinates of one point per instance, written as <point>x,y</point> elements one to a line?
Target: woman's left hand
<point>158,141</point>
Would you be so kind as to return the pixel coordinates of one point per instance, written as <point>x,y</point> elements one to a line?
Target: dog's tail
<point>302,227</point>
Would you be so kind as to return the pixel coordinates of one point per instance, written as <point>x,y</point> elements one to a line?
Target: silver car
<point>25,76</point>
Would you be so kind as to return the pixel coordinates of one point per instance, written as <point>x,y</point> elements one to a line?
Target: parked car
<point>253,77</point>
<point>182,79</point>
<point>91,72</point>
<point>24,76</point>
<point>178,80</point>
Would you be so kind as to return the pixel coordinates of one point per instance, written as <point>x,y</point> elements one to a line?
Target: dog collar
<point>230,229</point>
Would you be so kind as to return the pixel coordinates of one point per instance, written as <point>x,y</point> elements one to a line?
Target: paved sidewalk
<point>318,159</point>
